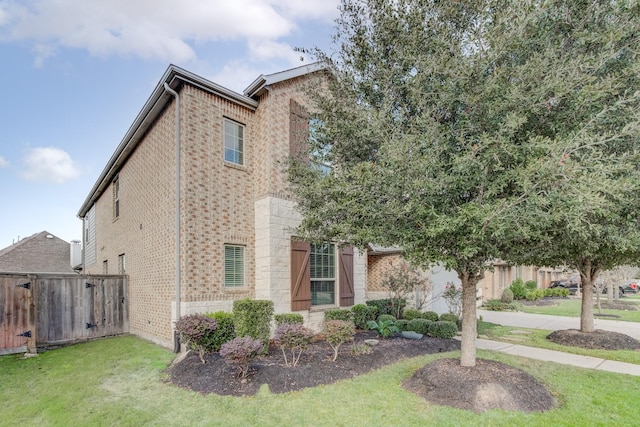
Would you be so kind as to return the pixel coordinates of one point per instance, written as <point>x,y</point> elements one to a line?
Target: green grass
<point>538,338</point>
<point>571,308</point>
<point>119,382</point>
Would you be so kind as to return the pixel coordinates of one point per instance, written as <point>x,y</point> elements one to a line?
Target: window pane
<point>323,275</point>
<point>233,266</point>
<point>233,142</point>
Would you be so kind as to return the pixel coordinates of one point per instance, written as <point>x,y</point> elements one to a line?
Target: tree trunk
<point>588,276</point>
<point>469,320</point>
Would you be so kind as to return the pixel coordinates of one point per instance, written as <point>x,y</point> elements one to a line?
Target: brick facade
<point>221,203</point>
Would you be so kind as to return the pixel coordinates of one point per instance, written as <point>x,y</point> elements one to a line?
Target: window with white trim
<point>122,264</point>
<point>323,274</point>
<point>233,142</point>
<point>116,198</point>
<point>233,266</point>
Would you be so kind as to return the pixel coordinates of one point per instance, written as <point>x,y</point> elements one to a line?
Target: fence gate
<point>16,315</point>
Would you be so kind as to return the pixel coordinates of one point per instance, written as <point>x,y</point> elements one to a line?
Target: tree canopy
<point>453,128</point>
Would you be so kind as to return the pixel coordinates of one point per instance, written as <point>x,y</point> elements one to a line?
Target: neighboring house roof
<point>41,253</point>
<point>175,77</point>
<point>380,250</point>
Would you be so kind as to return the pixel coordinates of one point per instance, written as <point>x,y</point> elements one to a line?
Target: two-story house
<point>193,206</point>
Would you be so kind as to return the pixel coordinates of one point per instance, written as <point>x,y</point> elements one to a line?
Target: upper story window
<point>320,153</point>
<point>116,198</point>
<point>233,142</point>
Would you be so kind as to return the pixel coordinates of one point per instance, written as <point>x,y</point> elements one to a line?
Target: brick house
<point>39,253</point>
<point>221,228</point>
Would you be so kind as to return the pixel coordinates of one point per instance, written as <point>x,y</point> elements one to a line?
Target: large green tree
<point>446,124</point>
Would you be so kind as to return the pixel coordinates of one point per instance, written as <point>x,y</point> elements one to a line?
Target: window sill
<point>235,166</point>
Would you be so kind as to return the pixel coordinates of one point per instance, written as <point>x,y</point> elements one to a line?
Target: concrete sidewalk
<point>543,321</point>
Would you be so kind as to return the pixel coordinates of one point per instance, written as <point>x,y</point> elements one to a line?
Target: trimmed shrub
<point>389,305</point>
<point>225,331</point>
<point>290,318</point>
<point>336,333</point>
<point>402,325</point>
<point>430,315</point>
<point>507,296</point>
<point>556,292</point>
<point>531,285</point>
<point>419,325</point>
<point>196,331</point>
<point>239,351</point>
<point>385,317</point>
<point>253,318</point>
<point>293,337</point>
<point>443,329</point>
<point>362,313</point>
<point>411,313</point>
<point>338,314</point>
<point>518,289</point>
<point>449,317</point>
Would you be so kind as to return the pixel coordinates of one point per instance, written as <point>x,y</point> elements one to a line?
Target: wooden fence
<point>38,309</point>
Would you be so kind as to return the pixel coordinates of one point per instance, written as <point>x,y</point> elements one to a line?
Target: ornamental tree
<point>447,126</point>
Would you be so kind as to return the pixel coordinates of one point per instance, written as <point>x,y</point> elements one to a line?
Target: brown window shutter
<point>300,276</point>
<point>298,131</point>
<point>346,276</point>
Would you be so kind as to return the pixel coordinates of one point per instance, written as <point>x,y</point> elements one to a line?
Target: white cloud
<point>158,29</point>
<point>49,164</point>
<point>3,162</point>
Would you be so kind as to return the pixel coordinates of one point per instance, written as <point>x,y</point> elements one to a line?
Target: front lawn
<point>571,307</point>
<point>119,381</point>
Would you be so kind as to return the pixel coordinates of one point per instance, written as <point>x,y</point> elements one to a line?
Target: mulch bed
<point>597,340</point>
<point>314,368</point>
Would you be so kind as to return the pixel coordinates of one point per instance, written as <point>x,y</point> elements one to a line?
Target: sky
<point>75,73</point>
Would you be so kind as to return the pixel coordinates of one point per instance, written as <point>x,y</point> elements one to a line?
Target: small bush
<point>384,317</point>
<point>518,289</point>
<point>449,317</point>
<point>290,318</point>
<point>411,313</point>
<point>292,337</point>
<point>253,318</point>
<point>556,292</point>
<point>443,329</point>
<point>362,313</point>
<point>338,314</point>
<point>385,326</point>
<point>239,351</point>
<point>430,315</point>
<point>360,349</point>
<point>419,325</point>
<point>531,285</point>
<point>336,333</point>
<point>391,306</point>
<point>225,331</point>
<point>535,295</point>
<point>196,331</point>
<point>497,305</point>
<point>507,296</point>
<point>402,325</point>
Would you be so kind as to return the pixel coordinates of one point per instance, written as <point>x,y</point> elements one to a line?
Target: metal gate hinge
<point>25,285</point>
<point>26,334</point>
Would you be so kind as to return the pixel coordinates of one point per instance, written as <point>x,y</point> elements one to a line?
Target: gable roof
<point>261,84</point>
<point>40,253</point>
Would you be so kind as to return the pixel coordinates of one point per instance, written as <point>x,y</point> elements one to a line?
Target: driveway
<point>553,323</point>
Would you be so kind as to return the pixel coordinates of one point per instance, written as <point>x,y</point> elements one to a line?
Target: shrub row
<point>498,305</point>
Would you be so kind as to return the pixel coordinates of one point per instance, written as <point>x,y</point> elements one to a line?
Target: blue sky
<point>75,73</point>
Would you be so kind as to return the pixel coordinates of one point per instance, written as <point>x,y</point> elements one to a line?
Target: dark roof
<point>41,253</point>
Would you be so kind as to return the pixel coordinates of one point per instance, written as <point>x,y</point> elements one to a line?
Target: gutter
<point>176,340</point>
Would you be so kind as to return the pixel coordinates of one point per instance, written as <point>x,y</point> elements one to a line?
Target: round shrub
<point>430,315</point>
<point>384,317</point>
<point>338,314</point>
<point>239,351</point>
<point>363,313</point>
<point>225,331</point>
<point>411,313</point>
<point>518,289</point>
<point>449,317</point>
<point>443,329</point>
<point>507,296</point>
<point>290,318</point>
<point>292,337</point>
<point>402,325</point>
<point>196,331</point>
<point>420,325</point>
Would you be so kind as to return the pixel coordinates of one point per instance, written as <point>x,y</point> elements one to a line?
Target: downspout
<point>176,340</point>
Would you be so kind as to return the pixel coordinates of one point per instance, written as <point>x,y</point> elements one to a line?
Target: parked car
<point>631,287</point>
<point>573,287</point>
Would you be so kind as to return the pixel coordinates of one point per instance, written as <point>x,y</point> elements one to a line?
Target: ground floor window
<point>233,266</point>
<point>323,274</point>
